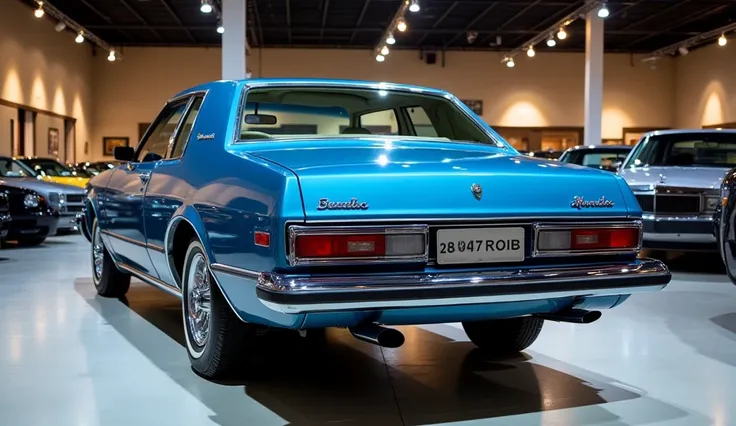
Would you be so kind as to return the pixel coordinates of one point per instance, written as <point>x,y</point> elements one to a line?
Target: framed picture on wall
<point>110,142</point>
<point>474,104</point>
<point>53,141</point>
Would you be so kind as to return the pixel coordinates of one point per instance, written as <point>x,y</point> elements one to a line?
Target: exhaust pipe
<point>378,335</point>
<point>577,316</point>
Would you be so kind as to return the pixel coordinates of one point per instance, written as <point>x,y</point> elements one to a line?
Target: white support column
<point>593,78</point>
<point>233,40</point>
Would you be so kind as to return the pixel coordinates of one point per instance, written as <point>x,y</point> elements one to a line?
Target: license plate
<point>480,245</point>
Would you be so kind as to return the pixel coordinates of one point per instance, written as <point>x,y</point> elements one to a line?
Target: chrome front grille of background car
<point>75,198</point>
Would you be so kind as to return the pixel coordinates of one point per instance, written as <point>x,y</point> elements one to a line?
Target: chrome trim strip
<point>439,221</point>
<point>155,247</point>
<point>327,307</point>
<point>245,273</point>
<point>301,284</point>
<point>675,218</point>
<point>150,280</point>
<point>123,238</point>
<point>540,226</point>
<point>680,238</point>
<point>297,230</point>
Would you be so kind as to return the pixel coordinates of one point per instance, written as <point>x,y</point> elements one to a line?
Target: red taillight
<point>611,238</point>
<point>262,239</point>
<point>557,239</point>
<point>330,246</point>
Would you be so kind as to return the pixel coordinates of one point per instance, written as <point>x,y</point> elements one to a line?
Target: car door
<point>167,190</point>
<point>125,191</point>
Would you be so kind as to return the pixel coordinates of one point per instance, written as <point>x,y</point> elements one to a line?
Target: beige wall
<point>545,91</point>
<point>44,69</point>
<point>706,87</point>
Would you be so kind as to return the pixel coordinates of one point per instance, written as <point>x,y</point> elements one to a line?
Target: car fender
<point>187,213</point>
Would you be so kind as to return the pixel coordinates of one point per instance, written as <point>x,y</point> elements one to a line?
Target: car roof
<point>600,147</point>
<point>681,131</point>
<point>362,84</point>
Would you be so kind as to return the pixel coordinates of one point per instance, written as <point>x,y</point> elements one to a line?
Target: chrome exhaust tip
<point>576,316</point>
<point>378,335</point>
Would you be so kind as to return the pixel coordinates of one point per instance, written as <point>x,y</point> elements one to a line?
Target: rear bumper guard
<point>294,294</point>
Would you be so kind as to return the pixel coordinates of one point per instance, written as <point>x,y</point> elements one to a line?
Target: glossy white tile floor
<point>68,357</point>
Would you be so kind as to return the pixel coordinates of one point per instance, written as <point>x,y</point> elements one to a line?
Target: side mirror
<point>260,119</point>
<point>123,153</point>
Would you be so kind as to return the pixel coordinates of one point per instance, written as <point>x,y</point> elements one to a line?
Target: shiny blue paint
<point>227,189</point>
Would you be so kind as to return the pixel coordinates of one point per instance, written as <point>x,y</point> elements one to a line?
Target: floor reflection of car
<point>604,157</point>
<point>53,171</point>
<point>66,200</point>
<point>676,176</point>
<point>549,155</point>
<point>337,226</point>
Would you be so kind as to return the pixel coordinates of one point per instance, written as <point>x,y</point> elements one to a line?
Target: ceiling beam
<point>140,18</point>
<point>518,14</point>
<point>360,19</point>
<point>325,8</point>
<point>261,41</point>
<point>438,21</point>
<point>678,23</point>
<point>552,18</point>
<point>471,24</point>
<point>288,18</point>
<point>105,18</point>
<point>173,14</point>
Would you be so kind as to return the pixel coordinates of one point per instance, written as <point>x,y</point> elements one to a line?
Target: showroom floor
<point>68,357</point>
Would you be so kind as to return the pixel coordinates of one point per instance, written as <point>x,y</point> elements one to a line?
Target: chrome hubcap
<point>98,254</point>
<point>198,300</point>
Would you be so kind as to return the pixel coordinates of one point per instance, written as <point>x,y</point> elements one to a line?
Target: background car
<point>66,200</point>
<point>334,226</point>
<point>32,219</point>
<point>676,176</point>
<point>53,171</point>
<point>549,155</point>
<point>90,169</point>
<point>603,157</point>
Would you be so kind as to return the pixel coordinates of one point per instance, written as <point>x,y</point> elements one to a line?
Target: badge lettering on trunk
<point>477,191</point>
<point>580,203</point>
<point>353,204</point>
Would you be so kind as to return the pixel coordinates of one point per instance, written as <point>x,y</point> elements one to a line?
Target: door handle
<point>145,177</point>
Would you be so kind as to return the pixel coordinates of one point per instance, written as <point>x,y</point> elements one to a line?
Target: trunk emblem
<point>353,204</point>
<point>477,191</point>
<point>580,203</point>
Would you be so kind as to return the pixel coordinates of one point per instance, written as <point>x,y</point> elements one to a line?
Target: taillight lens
<point>589,239</point>
<point>330,246</point>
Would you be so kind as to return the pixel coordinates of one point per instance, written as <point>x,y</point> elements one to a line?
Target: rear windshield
<point>600,158</point>
<point>703,149</point>
<point>303,112</point>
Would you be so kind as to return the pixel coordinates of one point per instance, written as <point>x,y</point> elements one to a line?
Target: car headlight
<point>31,201</point>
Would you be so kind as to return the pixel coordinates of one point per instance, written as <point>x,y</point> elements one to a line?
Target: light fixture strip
<point>74,26</point>
<point>553,29</point>
<point>398,16</point>
<point>692,41</point>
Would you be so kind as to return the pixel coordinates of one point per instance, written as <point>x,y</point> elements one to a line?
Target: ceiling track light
<point>683,50</point>
<point>60,27</point>
<point>390,39</point>
<point>80,37</point>
<point>220,28</point>
<point>401,25</point>
<point>206,7</point>
<point>562,34</point>
<point>414,6</point>
<point>384,51</point>
<point>38,13</point>
<point>530,52</point>
<point>551,41</point>
<point>603,12</point>
<point>722,40</point>
<point>380,58</point>
<point>111,56</point>
<point>510,62</point>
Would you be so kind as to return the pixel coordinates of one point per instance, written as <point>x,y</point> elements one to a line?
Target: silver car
<point>67,200</point>
<point>676,177</point>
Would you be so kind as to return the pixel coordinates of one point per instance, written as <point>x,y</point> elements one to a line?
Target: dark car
<point>549,155</point>
<point>724,220</point>
<point>604,157</point>
<point>32,218</point>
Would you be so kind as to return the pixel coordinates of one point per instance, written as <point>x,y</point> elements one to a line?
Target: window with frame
<point>157,143</point>
<point>380,122</point>
<point>420,121</point>
<point>182,139</point>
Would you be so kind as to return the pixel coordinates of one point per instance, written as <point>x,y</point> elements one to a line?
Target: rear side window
<point>379,122</point>
<point>157,143</point>
<point>182,139</point>
<point>420,120</point>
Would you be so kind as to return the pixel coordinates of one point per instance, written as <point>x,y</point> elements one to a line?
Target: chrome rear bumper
<point>294,294</point>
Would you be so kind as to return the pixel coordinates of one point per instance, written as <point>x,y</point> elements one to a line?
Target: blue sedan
<point>307,204</point>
